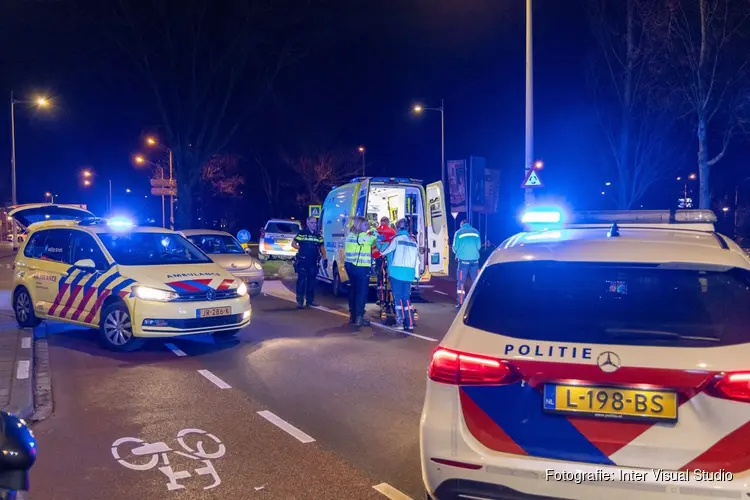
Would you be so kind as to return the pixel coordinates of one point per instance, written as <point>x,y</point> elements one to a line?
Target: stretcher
<point>385,294</point>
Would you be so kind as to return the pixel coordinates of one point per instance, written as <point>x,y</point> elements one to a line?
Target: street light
<point>87,183</point>
<point>139,159</point>
<point>151,141</point>
<point>127,190</point>
<point>361,149</point>
<point>539,164</point>
<point>40,102</point>
<point>418,108</point>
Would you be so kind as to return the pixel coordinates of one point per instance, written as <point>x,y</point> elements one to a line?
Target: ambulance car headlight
<point>242,289</point>
<point>148,293</point>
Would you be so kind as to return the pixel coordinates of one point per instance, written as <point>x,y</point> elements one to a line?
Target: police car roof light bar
<point>609,217</point>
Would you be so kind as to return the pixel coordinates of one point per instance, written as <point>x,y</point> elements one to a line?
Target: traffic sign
<point>314,210</point>
<point>243,236</point>
<point>163,191</point>
<point>532,180</point>
<point>163,183</point>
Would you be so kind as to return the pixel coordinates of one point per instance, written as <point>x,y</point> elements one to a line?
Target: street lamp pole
<point>442,142</point>
<point>528,193</point>
<point>110,197</point>
<point>13,165</point>
<point>171,196</point>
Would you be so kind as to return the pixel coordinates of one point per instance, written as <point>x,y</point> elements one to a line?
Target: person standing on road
<point>466,247</point>
<point>310,248</point>
<point>403,269</point>
<point>358,265</point>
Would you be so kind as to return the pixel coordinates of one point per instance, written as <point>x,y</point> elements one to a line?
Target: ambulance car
<point>131,283</point>
<point>392,197</point>
<point>598,356</point>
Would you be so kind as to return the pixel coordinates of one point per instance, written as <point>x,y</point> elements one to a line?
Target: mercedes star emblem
<point>608,361</point>
<point>211,295</point>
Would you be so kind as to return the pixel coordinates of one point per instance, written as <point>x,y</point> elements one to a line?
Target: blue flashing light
<point>542,216</point>
<point>120,222</point>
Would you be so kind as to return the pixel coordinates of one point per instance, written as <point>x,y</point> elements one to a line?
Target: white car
<point>276,239</point>
<point>605,356</point>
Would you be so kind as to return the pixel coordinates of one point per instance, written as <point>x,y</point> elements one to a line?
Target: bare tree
<point>272,185</point>
<point>221,175</point>
<point>629,102</point>
<point>708,69</point>
<point>209,66</point>
<point>319,172</point>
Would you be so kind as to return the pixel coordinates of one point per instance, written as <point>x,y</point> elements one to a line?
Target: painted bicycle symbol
<point>142,456</point>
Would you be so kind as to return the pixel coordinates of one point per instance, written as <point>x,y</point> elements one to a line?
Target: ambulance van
<point>392,197</point>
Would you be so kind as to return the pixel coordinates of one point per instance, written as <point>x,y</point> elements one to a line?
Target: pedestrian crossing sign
<point>314,210</point>
<point>532,180</point>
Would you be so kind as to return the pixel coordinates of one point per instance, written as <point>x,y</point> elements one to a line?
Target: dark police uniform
<point>306,266</point>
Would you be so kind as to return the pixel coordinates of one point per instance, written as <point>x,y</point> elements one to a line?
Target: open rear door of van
<point>437,230</point>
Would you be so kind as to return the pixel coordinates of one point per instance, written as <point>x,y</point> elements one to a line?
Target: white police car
<point>600,356</point>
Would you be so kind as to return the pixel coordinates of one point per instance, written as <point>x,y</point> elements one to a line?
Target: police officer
<point>310,248</point>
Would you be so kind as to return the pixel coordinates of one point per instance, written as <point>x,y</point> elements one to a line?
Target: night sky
<point>374,60</point>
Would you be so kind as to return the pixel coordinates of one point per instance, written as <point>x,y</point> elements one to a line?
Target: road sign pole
<point>171,197</point>
<point>163,218</point>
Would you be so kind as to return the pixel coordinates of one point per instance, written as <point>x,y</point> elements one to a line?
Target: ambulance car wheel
<point>226,335</point>
<point>24,309</point>
<point>338,289</point>
<point>116,329</point>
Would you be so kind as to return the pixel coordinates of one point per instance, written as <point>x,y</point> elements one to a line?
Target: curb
<point>21,401</point>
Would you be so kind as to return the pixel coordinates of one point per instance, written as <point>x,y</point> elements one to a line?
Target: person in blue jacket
<point>466,246</point>
<point>403,268</point>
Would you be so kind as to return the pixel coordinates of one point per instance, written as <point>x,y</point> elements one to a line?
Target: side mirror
<point>18,453</point>
<point>86,264</point>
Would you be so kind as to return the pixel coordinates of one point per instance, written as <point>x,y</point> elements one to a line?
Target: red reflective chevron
<point>96,307</point>
<point>225,284</point>
<point>84,302</point>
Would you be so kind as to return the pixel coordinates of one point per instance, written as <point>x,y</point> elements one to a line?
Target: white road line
<point>441,293</point>
<point>410,334</point>
<point>216,380</point>
<point>26,343</point>
<point>286,426</point>
<point>390,492</point>
<point>332,311</point>
<point>23,369</point>
<point>175,349</point>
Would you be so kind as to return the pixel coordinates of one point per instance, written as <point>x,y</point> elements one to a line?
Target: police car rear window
<point>612,304</point>
<point>282,227</point>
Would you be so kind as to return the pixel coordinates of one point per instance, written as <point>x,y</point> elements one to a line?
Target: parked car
<point>276,239</point>
<point>225,250</point>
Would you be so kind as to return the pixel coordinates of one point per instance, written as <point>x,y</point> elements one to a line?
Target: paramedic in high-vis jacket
<point>403,268</point>
<point>466,246</point>
<point>358,265</point>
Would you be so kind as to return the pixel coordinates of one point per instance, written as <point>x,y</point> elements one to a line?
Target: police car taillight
<point>734,386</point>
<point>460,368</point>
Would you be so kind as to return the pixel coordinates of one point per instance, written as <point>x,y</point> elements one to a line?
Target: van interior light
<point>542,216</point>
<point>120,222</point>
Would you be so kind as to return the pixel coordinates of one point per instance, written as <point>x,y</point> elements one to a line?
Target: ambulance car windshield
<point>610,303</point>
<point>213,244</point>
<point>151,249</point>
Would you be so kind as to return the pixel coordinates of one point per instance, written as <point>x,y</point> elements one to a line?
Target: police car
<point>131,283</point>
<point>599,356</point>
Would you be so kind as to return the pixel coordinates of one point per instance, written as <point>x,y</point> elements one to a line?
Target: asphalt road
<point>303,404</point>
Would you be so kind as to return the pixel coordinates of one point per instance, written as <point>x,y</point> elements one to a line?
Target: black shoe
<point>352,320</point>
<point>300,306</point>
<point>362,321</point>
<point>312,304</point>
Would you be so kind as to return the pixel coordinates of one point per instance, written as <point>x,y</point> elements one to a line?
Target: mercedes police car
<point>129,282</point>
<point>600,355</point>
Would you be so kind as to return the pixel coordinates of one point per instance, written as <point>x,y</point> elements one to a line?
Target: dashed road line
<point>26,343</point>
<point>390,492</point>
<point>410,334</point>
<point>441,293</point>
<point>286,426</point>
<point>216,380</point>
<point>175,349</point>
<point>24,367</point>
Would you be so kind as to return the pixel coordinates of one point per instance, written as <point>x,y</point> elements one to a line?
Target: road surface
<point>300,405</point>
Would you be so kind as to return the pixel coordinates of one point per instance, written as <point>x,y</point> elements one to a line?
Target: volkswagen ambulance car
<point>131,283</point>
<point>392,197</point>
<point>598,356</point>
